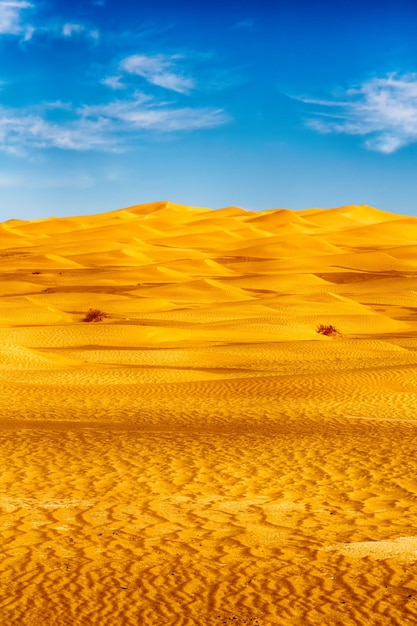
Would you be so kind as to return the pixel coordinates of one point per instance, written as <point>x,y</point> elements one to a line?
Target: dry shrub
<point>327,329</point>
<point>95,315</point>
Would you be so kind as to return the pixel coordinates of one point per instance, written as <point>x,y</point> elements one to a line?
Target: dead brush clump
<point>95,315</point>
<point>328,330</point>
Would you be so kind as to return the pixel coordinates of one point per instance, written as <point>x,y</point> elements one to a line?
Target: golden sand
<point>203,456</point>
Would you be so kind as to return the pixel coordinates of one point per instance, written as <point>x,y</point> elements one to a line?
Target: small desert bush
<point>95,315</point>
<point>327,329</point>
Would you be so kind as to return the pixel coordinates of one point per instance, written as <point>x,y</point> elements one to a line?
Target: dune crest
<point>202,455</point>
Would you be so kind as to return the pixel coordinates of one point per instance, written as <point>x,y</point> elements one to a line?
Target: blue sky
<point>297,104</point>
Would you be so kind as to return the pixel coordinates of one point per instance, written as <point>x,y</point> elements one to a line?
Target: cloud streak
<point>20,132</point>
<point>114,126</point>
<point>142,113</point>
<point>246,25</point>
<point>158,70</point>
<point>383,110</point>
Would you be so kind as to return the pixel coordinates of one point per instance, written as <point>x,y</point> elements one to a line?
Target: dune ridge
<point>203,455</point>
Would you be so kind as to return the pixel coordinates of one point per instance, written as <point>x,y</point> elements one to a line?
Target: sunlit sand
<point>203,455</point>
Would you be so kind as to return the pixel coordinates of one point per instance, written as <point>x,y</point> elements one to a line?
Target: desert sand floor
<point>203,456</point>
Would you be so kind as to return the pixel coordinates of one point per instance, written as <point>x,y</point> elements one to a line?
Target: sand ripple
<point>203,456</point>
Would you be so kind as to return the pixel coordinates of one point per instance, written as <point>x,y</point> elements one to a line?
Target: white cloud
<point>108,127</point>
<point>114,82</point>
<point>10,17</point>
<point>12,23</point>
<point>247,24</point>
<point>384,110</point>
<point>68,30</point>
<point>20,132</point>
<point>157,70</point>
<point>57,104</point>
<point>29,32</point>
<point>144,113</point>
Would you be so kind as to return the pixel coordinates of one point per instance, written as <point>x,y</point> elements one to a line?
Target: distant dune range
<point>203,456</point>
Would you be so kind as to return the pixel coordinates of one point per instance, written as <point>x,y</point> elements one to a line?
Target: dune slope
<point>203,455</point>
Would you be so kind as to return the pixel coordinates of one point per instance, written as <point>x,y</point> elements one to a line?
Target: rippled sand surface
<point>203,456</point>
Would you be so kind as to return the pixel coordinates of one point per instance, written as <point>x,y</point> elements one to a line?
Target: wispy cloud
<point>128,117</point>
<point>186,73</point>
<point>384,110</point>
<point>71,29</point>
<point>158,70</point>
<point>144,113</point>
<point>11,17</point>
<point>56,105</point>
<point>13,21</point>
<point>114,126</point>
<point>20,132</point>
<point>247,24</point>
<point>68,30</point>
<point>114,82</point>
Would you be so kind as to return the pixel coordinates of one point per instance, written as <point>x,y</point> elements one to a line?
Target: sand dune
<point>202,455</point>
